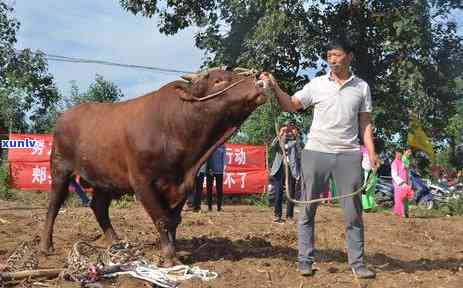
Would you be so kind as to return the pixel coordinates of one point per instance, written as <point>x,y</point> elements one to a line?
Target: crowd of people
<point>292,142</point>
<point>212,169</point>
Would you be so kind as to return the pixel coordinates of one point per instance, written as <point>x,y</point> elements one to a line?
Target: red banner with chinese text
<point>31,175</point>
<point>245,169</point>
<point>40,152</point>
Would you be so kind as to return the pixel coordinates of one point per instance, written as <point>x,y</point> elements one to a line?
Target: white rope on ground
<point>87,263</point>
<point>166,277</point>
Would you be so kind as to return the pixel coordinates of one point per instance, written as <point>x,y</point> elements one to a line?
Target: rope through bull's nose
<point>207,97</point>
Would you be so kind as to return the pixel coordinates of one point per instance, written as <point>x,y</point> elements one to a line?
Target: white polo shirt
<point>335,125</point>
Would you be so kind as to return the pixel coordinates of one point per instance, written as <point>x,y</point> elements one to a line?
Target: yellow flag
<point>417,139</point>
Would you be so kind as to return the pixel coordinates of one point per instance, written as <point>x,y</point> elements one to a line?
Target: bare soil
<point>247,249</point>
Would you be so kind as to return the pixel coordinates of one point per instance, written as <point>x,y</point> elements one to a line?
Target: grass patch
<point>453,208</point>
<point>418,212</point>
<point>255,200</point>
<point>126,201</point>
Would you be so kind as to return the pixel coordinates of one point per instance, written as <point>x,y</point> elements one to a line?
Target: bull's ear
<point>197,89</point>
<point>183,91</point>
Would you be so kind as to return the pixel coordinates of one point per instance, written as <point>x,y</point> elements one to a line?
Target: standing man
<point>75,183</point>
<point>289,138</point>
<point>215,167</point>
<point>198,192</point>
<point>342,107</point>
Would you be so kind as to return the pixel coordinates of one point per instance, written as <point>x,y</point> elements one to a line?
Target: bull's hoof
<point>106,242</point>
<point>170,262</point>
<point>183,254</point>
<point>47,249</point>
<point>111,237</point>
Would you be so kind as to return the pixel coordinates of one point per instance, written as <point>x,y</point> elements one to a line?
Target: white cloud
<point>103,30</point>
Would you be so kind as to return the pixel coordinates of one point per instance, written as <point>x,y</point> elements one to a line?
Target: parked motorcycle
<point>384,194</point>
<point>422,193</point>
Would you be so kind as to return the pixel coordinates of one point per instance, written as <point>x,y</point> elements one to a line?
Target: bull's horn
<point>191,77</point>
<point>211,70</point>
<point>241,69</point>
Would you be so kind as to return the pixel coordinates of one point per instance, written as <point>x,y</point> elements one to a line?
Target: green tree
<point>27,91</point>
<point>100,90</point>
<point>452,156</point>
<point>407,50</point>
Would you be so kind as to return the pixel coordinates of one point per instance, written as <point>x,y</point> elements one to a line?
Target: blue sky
<point>102,30</point>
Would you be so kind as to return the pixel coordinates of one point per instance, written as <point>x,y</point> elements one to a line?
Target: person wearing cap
<point>342,106</point>
<point>288,137</point>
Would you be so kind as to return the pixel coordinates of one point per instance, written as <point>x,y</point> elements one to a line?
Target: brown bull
<point>151,146</point>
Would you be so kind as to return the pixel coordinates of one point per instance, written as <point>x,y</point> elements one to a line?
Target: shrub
<point>5,192</point>
<point>453,207</point>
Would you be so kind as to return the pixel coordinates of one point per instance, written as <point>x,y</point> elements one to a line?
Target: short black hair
<point>289,122</point>
<point>341,43</point>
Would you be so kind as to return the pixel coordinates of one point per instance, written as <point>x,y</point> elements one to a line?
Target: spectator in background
<point>212,169</point>
<point>199,188</point>
<point>402,188</point>
<point>289,138</point>
<point>215,167</point>
<point>75,183</point>
<point>406,159</point>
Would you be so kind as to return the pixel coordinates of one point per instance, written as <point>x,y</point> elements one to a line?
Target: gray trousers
<point>345,168</point>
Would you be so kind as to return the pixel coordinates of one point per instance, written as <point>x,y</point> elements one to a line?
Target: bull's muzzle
<point>265,86</point>
<point>265,91</point>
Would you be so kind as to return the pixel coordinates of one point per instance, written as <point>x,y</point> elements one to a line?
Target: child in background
<point>402,190</point>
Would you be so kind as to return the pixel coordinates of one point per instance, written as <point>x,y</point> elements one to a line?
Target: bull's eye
<point>217,81</point>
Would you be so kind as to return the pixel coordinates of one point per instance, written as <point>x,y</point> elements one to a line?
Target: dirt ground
<point>247,249</point>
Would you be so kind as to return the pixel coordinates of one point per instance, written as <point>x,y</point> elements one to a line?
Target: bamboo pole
<point>49,273</point>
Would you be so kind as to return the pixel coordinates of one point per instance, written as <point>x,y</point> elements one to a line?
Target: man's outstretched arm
<point>287,103</point>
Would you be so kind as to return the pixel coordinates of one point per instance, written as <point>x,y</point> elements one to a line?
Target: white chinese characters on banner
<point>236,156</point>
<point>39,146</point>
<point>232,177</point>
<point>40,175</point>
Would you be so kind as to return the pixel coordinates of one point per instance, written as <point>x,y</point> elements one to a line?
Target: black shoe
<point>305,269</point>
<point>279,220</point>
<point>363,272</point>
